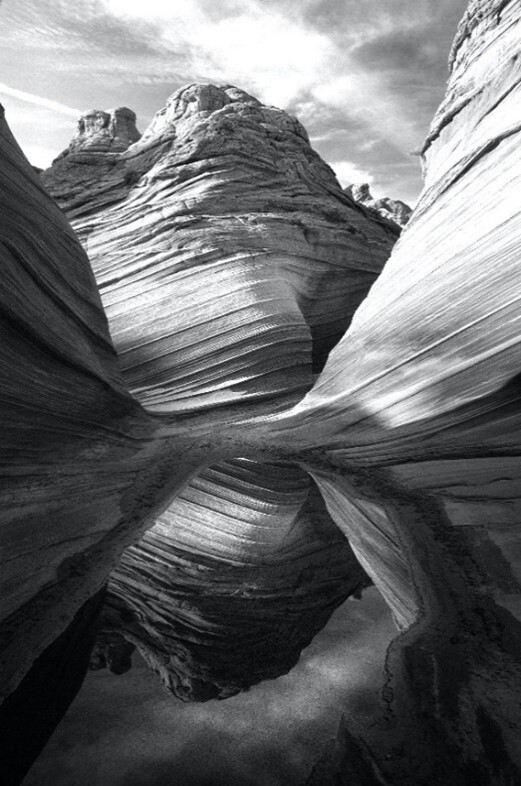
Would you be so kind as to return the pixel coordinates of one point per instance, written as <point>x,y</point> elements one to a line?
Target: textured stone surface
<point>411,432</point>
<point>423,393</point>
<point>223,208</point>
<point>249,269</point>
<point>393,209</point>
<point>102,132</point>
<point>84,469</point>
<point>234,579</point>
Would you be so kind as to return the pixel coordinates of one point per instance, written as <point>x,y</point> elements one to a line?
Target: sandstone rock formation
<point>256,287</point>
<point>250,236</point>
<point>223,196</point>
<point>411,432</point>
<point>430,410</point>
<point>103,132</point>
<point>235,578</point>
<point>393,209</point>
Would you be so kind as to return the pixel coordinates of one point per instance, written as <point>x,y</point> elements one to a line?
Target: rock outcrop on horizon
<point>393,209</point>
<point>229,263</point>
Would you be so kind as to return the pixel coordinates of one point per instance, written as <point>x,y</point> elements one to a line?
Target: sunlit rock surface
<point>393,209</point>
<point>423,394</point>
<point>233,581</point>
<point>411,432</point>
<point>102,132</point>
<point>223,209</point>
<point>228,269</point>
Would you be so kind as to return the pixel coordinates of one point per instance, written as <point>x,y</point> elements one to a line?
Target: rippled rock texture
<point>227,272</point>
<point>249,270</point>
<point>423,392</point>
<point>393,209</point>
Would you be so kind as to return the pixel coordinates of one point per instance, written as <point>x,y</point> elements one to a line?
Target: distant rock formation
<point>231,191</point>
<point>393,209</point>
<point>103,132</point>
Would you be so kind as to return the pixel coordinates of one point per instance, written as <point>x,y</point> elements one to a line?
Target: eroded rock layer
<point>231,262</point>
<point>82,463</point>
<point>420,400</point>
<point>240,573</point>
<point>228,265</point>
<point>411,432</point>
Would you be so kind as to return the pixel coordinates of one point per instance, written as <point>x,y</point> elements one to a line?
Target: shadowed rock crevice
<point>30,714</point>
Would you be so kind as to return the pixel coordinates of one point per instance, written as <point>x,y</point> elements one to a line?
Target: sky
<point>363,76</point>
<point>128,731</point>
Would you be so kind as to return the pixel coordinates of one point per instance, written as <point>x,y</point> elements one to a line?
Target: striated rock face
<point>252,239</point>
<point>229,261</point>
<point>422,392</point>
<point>222,207</point>
<point>233,581</point>
<point>393,209</point>
<point>102,132</point>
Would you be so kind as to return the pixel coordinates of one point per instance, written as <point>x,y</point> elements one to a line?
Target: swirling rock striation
<point>83,466</point>
<point>423,394</point>
<point>223,208</point>
<point>411,432</point>
<point>250,236</point>
<point>233,581</point>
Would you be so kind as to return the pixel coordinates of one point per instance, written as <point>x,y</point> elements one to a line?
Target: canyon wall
<point>230,263</point>
<point>420,402</point>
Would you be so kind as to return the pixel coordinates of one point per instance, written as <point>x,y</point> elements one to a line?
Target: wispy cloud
<point>364,78</point>
<point>248,43</point>
<point>31,98</point>
<point>348,173</point>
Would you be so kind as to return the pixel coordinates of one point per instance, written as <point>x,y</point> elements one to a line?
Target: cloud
<point>258,48</point>
<point>364,78</point>
<point>31,98</point>
<point>347,173</point>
